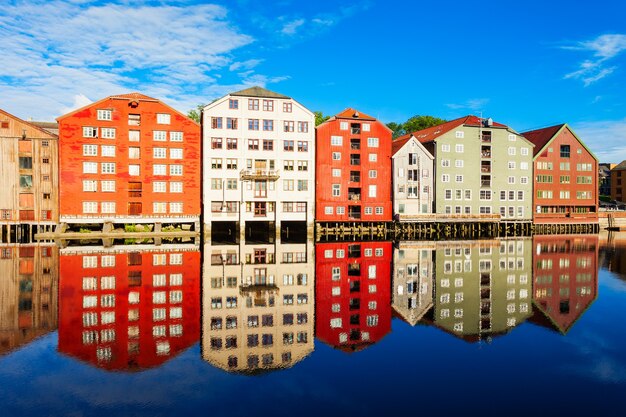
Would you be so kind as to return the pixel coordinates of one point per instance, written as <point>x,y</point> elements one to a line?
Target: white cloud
<point>606,139</point>
<point>61,50</point>
<point>291,27</point>
<point>473,104</point>
<point>603,48</point>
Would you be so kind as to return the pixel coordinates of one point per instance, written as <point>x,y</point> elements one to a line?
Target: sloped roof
<point>51,127</point>
<point>31,124</point>
<point>541,137</point>
<point>620,167</point>
<point>258,92</point>
<point>353,114</point>
<point>398,144</point>
<point>134,96</point>
<point>430,134</point>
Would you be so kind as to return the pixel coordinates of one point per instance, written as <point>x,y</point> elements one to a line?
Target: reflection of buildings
<point>258,306</point>
<point>612,253</point>
<point>353,293</point>
<point>482,288</point>
<point>130,308</point>
<point>412,286</point>
<point>28,293</point>
<point>565,275</point>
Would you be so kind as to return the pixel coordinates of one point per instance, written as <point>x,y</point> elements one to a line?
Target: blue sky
<point>527,64</point>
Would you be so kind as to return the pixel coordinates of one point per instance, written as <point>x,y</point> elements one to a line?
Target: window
<point>303,165</point>
<point>336,190</point>
<point>253,144</point>
<point>372,142</point>
<point>336,140</point>
<point>372,191</point>
<point>253,104</point>
<point>303,185</point>
<point>163,119</point>
<point>159,207</point>
<point>459,148</point>
<point>565,151</point>
<point>512,150</point>
<point>231,123</point>
<point>216,143</point>
<point>445,148</point>
<point>303,146</point>
<point>176,170</point>
<point>159,136</point>
<point>287,107</point>
<point>336,156</point>
<point>176,153</point>
<point>268,125</point>
<point>458,163</point>
<point>303,127</point>
<point>288,145</point>
<point>159,169</point>
<point>524,151</point>
<point>105,114</point>
<point>108,167</point>
<point>88,150</point>
<point>159,153</point>
<point>268,105</point>
<point>90,132</point>
<point>90,185</point>
<point>288,126</point>
<point>216,122</point>
<point>108,133</point>
<point>107,186</point>
<point>253,124</point>
<point>176,187</point>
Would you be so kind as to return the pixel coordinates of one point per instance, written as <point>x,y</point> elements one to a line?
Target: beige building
<point>412,282</point>
<point>29,178</point>
<point>258,306</point>
<point>28,293</point>
<point>483,288</point>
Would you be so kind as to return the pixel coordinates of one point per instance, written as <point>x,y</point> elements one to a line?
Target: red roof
<point>134,96</point>
<point>398,143</point>
<point>541,137</point>
<point>354,114</point>
<point>432,133</point>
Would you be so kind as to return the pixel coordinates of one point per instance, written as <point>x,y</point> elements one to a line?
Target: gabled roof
<point>542,138</point>
<point>620,167</point>
<point>32,125</point>
<point>258,92</point>
<point>128,96</point>
<point>430,134</point>
<point>353,114</point>
<point>399,143</point>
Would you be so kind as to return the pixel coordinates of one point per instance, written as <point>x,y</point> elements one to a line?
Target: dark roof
<point>258,92</point>
<point>398,143</point>
<point>431,133</point>
<point>540,137</point>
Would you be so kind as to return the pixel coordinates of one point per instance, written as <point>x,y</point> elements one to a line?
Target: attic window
<point>355,128</point>
<point>5,125</point>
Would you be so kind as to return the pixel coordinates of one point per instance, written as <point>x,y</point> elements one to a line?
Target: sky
<point>528,64</point>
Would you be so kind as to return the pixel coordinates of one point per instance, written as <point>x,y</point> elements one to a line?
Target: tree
<point>414,124</point>
<point>320,118</point>
<point>194,114</point>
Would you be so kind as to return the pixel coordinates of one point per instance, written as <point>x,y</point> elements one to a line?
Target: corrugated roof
<point>430,134</point>
<point>258,92</point>
<point>540,137</point>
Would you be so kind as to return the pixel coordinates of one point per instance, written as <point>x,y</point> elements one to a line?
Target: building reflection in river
<point>482,288</point>
<point>565,275</point>
<point>128,308</point>
<point>28,293</point>
<point>353,293</point>
<point>258,306</point>
<point>412,281</point>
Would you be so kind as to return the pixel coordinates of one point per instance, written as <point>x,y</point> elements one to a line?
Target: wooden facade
<point>353,166</point>
<point>28,173</point>
<point>565,177</point>
<point>129,159</point>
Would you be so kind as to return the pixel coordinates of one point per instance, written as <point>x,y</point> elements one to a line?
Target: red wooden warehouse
<point>129,159</point>
<point>128,311</point>
<point>565,177</point>
<point>352,293</point>
<point>353,169</point>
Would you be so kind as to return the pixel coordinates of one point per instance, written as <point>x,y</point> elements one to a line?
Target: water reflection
<point>28,294</point>
<point>353,293</point>
<point>128,308</point>
<point>258,306</point>
<point>565,279</point>
<point>262,305</point>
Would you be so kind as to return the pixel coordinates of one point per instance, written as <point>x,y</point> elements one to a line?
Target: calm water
<point>502,327</point>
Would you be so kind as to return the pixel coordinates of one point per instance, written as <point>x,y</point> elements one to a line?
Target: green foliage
<point>414,124</point>
<point>194,114</point>
<point>84,230</point>
<point>605,198</point>
<point>320,118</point>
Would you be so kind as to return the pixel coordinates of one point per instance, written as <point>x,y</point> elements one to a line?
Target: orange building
<point>353,169</point>
<point>566,177</point>
<point>129,159</point>
<point>128,310</point>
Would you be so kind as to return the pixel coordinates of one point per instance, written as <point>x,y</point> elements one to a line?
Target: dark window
<point>565,151</point>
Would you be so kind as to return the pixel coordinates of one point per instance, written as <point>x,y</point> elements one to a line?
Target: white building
<point>413,191</point>
<point>259,168</point>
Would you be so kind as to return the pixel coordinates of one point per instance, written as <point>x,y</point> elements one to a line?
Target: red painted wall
<point>325,164</point>
<point>566,138</point>
<point>562,300</point>
<point>325,299</point>
<point>71,309</point>
<point>71,157</point>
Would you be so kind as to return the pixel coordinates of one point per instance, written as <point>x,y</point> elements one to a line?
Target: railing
<point>484,169</point>
<point>260,173</point>
<point>354,197</point>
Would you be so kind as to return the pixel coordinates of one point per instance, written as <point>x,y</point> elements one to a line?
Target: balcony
<point>485,167</point>
<point>354,212</point>
<point>354,270</point>
<point>355,128</point>
<point>355,176</point>
<point>260,174</point>
<point>486,137</point>
<point>355,144</point>
<point>485,152</point>
<point>354,194</point>
<point>355,159</point>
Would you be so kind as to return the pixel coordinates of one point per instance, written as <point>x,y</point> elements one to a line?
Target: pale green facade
<point>466,164</point>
